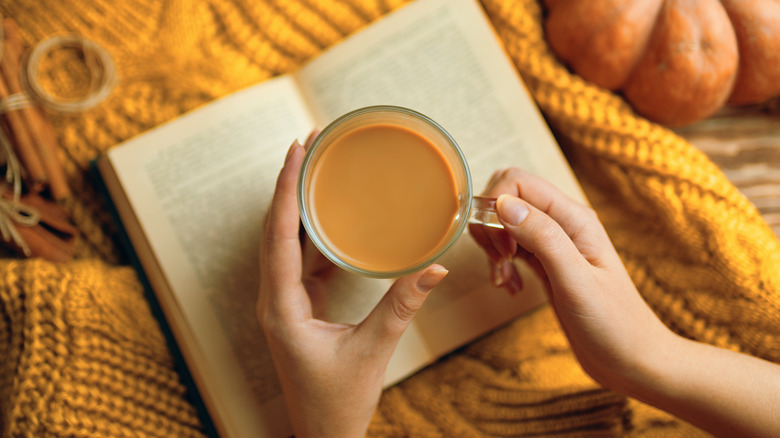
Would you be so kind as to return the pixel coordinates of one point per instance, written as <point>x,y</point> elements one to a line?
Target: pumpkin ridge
<point>758,38</point>
<point>606,24</point>
<point>601,48</point>
<point>644,46</point>
<point>674,61</point>
<point>678,80</point>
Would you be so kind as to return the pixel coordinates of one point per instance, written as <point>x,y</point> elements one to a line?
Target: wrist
<point>324,428</point>
<point>655,364</point>
<point>720,391</point>
<point>329,417</point>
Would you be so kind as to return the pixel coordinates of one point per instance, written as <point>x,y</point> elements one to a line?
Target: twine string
<point>14,213</point>
<point>103,74</point>
<point>103,78</point>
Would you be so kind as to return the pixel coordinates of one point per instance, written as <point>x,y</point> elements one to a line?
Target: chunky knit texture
<point>83,356</point>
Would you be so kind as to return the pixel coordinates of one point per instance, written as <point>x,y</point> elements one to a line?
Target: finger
<point>504,274</point>
<point>479,233</point>
<point>317,272</point>
<point>497,243</point>
<point>578,221</point>
<point>280,255</point>
<point>500,271</point>
<point>540,235</point>
<point>494,178</point>
<point>310,139</point>
<point>503,182</point>
<point>315,264</point>
<point>512,280</point>
<point>500,240</point>
<point>496,259</point>
<point>392,315</point>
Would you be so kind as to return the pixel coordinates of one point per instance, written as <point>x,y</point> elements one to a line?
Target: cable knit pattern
<point>83,355</point>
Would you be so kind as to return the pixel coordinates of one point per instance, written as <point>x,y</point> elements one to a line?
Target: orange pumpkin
<point>675,61</point>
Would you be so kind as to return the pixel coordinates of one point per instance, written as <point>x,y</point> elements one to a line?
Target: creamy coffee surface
<point>384,197</point>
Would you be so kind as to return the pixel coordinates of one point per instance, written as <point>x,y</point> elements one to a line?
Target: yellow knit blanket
<point>81,354</point>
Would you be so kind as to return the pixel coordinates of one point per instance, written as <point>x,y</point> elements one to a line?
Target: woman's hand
<point>331,374</point>
<point>616,337</point>
<point>611,329</point>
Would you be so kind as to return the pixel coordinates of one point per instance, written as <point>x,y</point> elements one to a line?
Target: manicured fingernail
<point>506,247</point>
<point>291,150</point>
<point>431,278</point>
<point>511,210</point>
<point>496,273</point>
<point>515,284</point>
<point>310,138</point>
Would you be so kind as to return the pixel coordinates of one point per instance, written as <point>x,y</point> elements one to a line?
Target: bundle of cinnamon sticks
<point>45,186</point>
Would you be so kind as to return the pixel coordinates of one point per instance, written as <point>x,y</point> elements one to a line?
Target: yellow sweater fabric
<point>81,354</point>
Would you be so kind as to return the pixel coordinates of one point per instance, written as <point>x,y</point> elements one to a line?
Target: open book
<point>191,196</point>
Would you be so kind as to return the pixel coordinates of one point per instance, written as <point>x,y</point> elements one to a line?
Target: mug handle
<point>483,212</point>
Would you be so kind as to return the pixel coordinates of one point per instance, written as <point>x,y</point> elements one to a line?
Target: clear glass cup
<point>471,209</point>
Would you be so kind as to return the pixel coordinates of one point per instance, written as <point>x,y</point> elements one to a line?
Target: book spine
<point>132,258</point>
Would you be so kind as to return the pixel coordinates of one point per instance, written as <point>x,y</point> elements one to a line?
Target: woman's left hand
<point>331,374</point>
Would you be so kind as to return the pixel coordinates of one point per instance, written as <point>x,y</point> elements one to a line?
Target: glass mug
<point>337,202</point>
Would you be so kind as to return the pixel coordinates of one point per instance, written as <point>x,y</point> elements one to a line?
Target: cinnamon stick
<point>22,142</point>
<point>54,215</point>
<point>54,237</point>
<point>58,180</point>
<point>35,121</point>
<point>45,245</point>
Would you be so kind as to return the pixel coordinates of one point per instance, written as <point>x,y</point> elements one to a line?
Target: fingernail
<point>496,274</point>
<point>431,278</point>
<point>515,283</point>
<point>511,210</point>
<point>310,139</point>
<point>506,247</point>
<point>291,150</point>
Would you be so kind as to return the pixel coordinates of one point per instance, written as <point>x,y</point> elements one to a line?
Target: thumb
<point>540,235</point>
<point>392,315</point>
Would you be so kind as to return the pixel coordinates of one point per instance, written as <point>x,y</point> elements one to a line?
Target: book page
<point>442,58</point>
<point>199,187</point>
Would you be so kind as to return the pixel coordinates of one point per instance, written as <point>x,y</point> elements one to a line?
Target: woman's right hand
<point>611,329</point>
<point>615,336</point>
